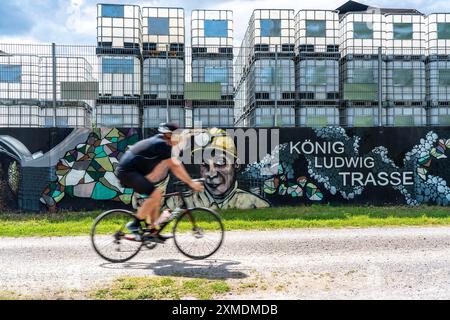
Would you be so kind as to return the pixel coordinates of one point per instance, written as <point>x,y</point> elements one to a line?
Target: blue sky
<point>74,21</point>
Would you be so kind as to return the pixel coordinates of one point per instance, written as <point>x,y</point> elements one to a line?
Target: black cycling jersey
<point>145,155</point>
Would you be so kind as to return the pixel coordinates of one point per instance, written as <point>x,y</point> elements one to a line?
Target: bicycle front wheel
<point>111,238</point>
<point>198,233</point>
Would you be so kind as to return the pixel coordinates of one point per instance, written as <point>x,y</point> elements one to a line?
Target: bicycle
<point>191,226</point>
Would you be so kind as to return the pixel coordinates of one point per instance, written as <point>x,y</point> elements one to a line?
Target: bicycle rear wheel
<point>109,236</point>
<point>198,233</point>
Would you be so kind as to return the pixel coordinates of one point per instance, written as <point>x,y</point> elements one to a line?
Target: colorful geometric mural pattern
<point>437,152</point>
<point>88,170</point>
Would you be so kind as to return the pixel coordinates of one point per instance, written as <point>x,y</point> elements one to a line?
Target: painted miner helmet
<point>215,140</point>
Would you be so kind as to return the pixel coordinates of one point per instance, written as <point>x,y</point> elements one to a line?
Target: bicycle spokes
<point>110,237</point>
<point>198,233</point>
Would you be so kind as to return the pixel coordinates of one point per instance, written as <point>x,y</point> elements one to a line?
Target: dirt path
<point>314,263</point>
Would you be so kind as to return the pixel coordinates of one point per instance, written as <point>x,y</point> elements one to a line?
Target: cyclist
<point>146,163</point>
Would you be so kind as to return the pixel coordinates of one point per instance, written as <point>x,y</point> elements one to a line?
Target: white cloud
<point>82,19</point>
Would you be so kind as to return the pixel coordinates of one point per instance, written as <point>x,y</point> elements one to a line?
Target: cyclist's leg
<point>140,184</point>
<point>151,207</point>
<point>159,174</point>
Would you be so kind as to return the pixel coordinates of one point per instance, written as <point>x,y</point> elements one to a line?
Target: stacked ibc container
<point>212,68</point>
<point>317,67</point>
<point>438,68</point>
<point>119,29</point>
<point>69,112</point>
<point>119,39</point>
<point>163,65</point>
<point>19,90</point>
<point>405,49</point>
<point>361,36</point>
<point>270,68</point>
<point>68,69</point>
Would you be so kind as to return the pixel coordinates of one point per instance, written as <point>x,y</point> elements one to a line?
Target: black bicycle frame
<point>180,194</point>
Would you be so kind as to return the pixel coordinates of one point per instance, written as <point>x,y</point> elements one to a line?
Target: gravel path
<point>404,263</point>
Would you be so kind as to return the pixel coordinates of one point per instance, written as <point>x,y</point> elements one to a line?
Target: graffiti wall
<point>73,169</point>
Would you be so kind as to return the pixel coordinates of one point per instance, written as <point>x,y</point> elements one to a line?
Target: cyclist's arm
<point>178,169</point>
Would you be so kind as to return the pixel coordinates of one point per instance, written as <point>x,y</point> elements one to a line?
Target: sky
<point>74,21</point>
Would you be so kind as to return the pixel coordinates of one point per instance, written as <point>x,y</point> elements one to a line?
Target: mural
<point>428,188</point>
<point>87,171</point>
<point>411,179</point>
<point>219,168</point>
<point>277,170</point>
<point>73,169</point>
<point>7,194</point>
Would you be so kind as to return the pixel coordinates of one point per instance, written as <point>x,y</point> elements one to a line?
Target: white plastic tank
<point>265,116</point>
<point>316,30</point>
<point>119,26</point>
<point>162,27</point>
<point>438,27</point>
<point>273,78</point>
<point>19,77</point>
<point>360,79</point>
<point>214,117</point>
<point>318,79</point>
<point>405,80</point>
<point>214,70</point>
<point>314,116</point>
<point>406,116</point>
<point>19,116</point>
<point>212,29</point>
<point>68,69</point>
<point>154,115</point>
<point>362,33</point>
<point>119,76</point>
<point>271,30</point>
<point>117,115</point>
<point>438,71</point>
<point>405,34</point>
<point>440,116</point>
<point>163,78</point>
<point>363,116</point>
<point>71,117</point>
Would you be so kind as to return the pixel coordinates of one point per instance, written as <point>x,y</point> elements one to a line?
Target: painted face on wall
<point>219,174</point>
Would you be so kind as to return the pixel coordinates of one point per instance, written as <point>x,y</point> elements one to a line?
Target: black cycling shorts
<point>135,180</point>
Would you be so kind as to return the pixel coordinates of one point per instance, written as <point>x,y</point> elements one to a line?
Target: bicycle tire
<point>214,216</point>
<point>128,215</point>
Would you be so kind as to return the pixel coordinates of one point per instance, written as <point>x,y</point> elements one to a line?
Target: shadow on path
<point>206,269</point>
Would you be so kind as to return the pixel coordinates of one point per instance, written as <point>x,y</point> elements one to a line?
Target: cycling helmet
<point>168,127</point>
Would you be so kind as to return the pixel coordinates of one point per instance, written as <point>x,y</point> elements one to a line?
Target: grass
<point>155,288</point>
<point>8,295</point>
<point>316,216</point>
<point>178,287</point>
